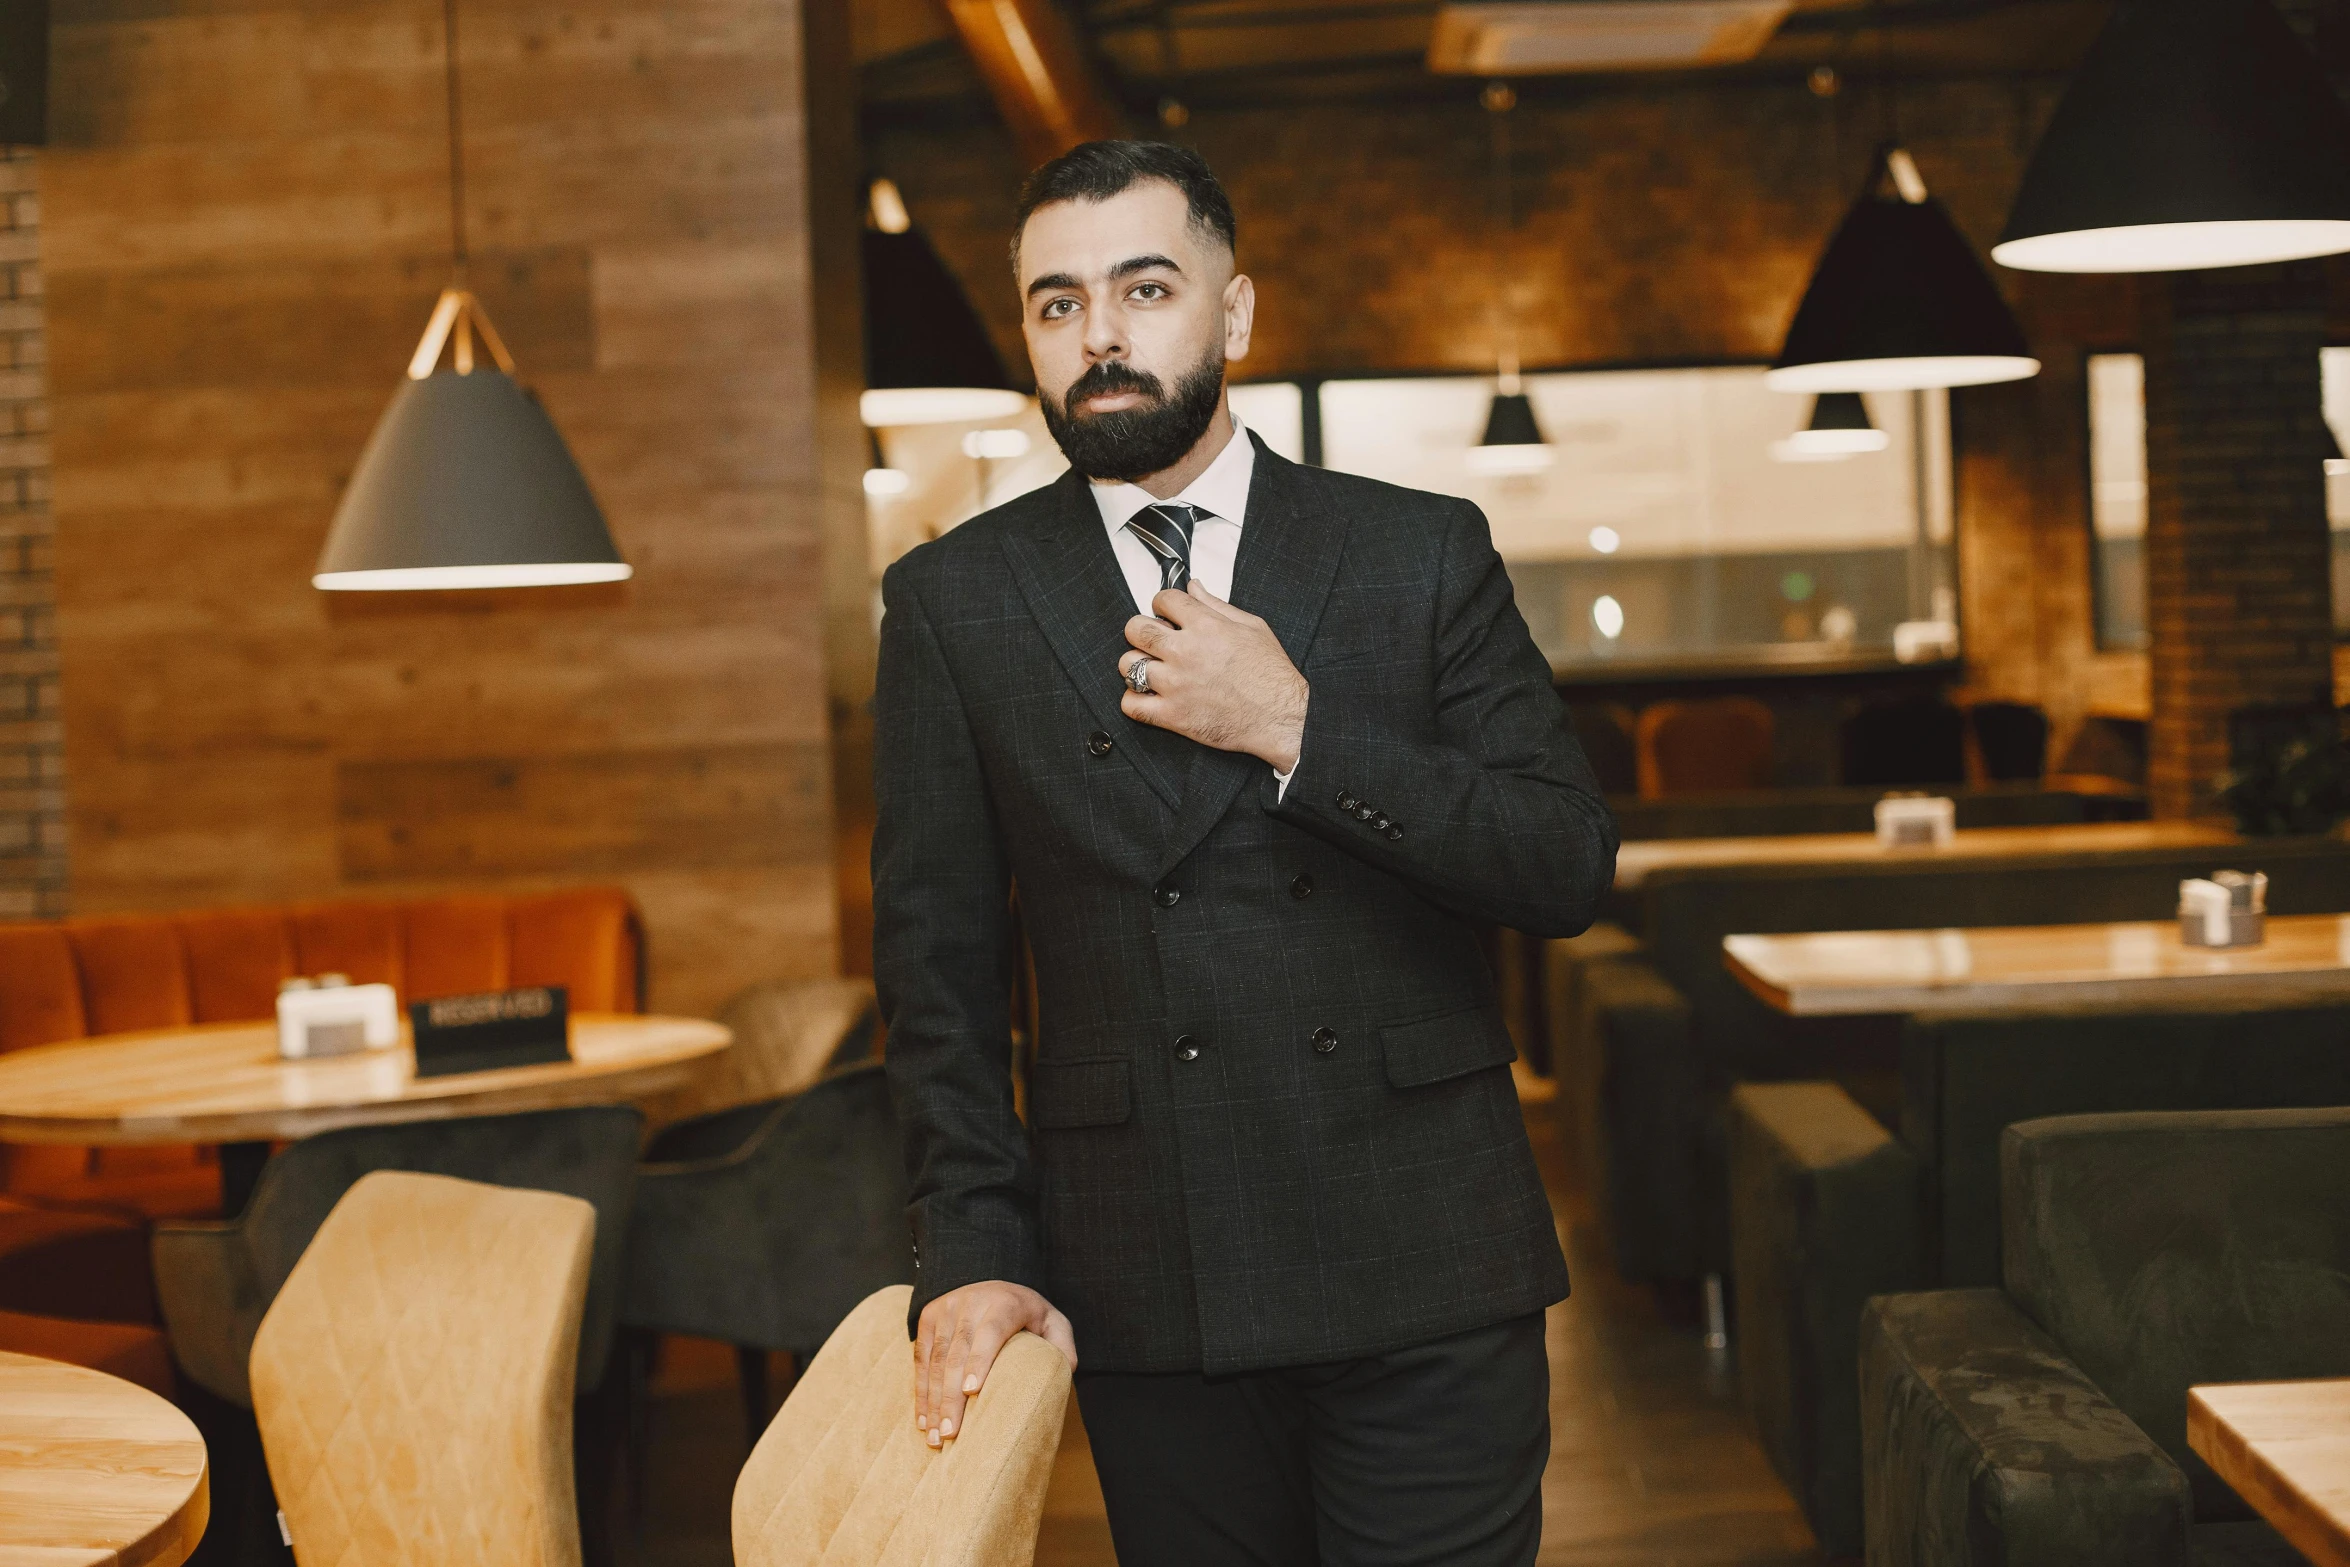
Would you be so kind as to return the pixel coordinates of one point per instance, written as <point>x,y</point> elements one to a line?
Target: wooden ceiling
<point>1237,53</point>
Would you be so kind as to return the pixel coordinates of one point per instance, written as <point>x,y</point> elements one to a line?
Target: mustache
<point>1107,377</point>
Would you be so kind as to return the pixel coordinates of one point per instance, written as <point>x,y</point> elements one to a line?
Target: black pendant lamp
<point>1840,427</point>
<point>465,483</point>
<point>928,358</point>
<point>1900,301</point>
<point>1512,442</point>
<point>2197,133</point>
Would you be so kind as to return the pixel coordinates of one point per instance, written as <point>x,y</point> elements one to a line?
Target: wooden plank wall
<point>246,223</point>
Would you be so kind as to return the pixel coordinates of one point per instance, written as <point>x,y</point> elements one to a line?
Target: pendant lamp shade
<point>1900,302</point>
<point>928,360</point>
<point>2197,133</point>
<point>1513,441</point>
<point>1840,427</point>
<point>466,484</point>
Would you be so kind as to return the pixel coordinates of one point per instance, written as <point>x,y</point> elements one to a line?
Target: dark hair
<point>1098,170</point>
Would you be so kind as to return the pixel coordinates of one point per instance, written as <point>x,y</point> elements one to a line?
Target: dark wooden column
<point>2238,558</point>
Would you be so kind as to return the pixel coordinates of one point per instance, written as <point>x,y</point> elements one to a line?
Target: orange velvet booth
<point>77,978</point>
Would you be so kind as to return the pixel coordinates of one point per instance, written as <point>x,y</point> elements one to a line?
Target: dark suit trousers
<point>1425,1457</point>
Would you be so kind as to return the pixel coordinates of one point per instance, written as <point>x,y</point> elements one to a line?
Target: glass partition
<point>1672,519</point>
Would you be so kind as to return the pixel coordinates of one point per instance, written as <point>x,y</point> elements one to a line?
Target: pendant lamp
<point>1512,442</point>
<point>2196,133</point>
<point>1840,427</point>
<point>465,483</point>
<point>928,359</point>
<point>1900,301</point>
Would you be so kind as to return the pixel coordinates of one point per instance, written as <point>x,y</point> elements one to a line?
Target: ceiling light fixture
<point>1840,427</point>
<point>2196,133</point>
<point>1512,443</point>
<point>1900,301</point>
<point>928,358</point>
<point>466,482</point>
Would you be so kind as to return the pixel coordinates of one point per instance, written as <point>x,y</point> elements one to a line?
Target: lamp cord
<point>456,143</point>
<point>1498,99</point>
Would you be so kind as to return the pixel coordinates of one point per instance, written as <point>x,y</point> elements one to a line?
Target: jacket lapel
<point>1289,550</point>
<point>1070,578</point>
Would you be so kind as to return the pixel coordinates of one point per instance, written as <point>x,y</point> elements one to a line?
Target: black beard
<point>1150,437</point>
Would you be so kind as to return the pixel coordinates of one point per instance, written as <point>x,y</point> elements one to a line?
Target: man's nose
<point>1105,335</point>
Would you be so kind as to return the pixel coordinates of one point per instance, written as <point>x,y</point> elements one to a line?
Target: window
<point>2117,497</point>
<point>1673,523</point>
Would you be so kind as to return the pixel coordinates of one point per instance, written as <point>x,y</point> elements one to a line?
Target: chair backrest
<point>785,1035</point>
<point>1696,747</point>
<point>67,979</point>
<point>1967,1076</point>
<point>842,1478</point>
<point>216,1280</point>
<point>413,1380</point>
<point>2163,1250</point>
<point>1906,743</point>
<point>2012,740</point>
<point>1605,730</point>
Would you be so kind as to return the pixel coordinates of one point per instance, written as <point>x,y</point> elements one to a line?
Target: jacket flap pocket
<point>1436,1048</point>
<point>1089,1091</point>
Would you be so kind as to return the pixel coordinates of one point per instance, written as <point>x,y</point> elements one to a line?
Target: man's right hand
<point>956,1343</point>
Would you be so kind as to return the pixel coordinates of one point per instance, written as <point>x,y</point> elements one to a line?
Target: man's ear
<point>1240,315</point>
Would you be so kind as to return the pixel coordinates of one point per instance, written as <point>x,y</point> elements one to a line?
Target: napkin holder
<point>1915,821</point>
<point>330,1016</point>
<point>499,1028</point>
<point>2229,909</point>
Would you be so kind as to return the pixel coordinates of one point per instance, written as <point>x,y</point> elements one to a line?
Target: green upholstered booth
<point>1660,1142</point>
<point>2044,1420</point>
<point>1828,1206</point>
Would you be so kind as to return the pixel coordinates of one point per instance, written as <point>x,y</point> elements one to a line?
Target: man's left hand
<point>1218,675</point>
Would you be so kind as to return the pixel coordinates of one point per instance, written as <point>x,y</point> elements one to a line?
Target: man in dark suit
<point>1260,746</point>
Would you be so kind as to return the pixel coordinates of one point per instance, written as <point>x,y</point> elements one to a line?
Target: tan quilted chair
<point>842,1478</point>
<point>413,1378</point>
<point>785,1035</point>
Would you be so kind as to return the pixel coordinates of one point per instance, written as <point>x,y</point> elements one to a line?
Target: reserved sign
<point>499,1028</point>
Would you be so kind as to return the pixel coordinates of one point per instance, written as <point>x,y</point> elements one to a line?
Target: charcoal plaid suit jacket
<point>1270,1116</point>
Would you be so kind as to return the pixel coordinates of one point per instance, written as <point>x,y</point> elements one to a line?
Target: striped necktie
<point>1165,530</point>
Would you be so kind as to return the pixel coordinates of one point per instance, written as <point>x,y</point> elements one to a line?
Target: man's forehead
<point>1086,239</point>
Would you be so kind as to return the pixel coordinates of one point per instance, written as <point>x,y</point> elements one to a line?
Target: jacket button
<point>1380,822</point>
<point>1099,743</point>
<point>1346,800</point>
<point>1301,886</point>
<point>1325,1041</point>
<point>1186,1048</point>
<point>1363,812</point>
<point>1393,832</point>
<point>1166,897</point>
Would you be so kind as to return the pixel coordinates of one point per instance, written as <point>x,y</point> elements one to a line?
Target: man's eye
<point>1150,291</point>
<point>1059,307</point>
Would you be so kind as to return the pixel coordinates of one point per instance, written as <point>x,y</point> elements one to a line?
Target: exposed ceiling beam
<point>1029,57</point>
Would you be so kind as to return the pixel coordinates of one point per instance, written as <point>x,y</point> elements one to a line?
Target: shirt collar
<point>1221,491</point>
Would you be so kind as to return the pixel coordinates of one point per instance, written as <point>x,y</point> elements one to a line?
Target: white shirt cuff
<point>1281,782</point>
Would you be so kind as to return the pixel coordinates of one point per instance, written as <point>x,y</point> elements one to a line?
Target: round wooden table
<point>94,1470</point>
<point>225,1083</point>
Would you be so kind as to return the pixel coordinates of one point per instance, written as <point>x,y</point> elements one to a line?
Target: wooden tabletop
<point>2285,1447</point>
<point>225,1083</point>
<point>1641,858</point>
<point>95,1470</point>
<point>1835,973</point>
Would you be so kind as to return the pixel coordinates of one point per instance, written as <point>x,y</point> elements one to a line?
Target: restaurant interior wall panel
<point>247,225</point>
<point>1659,223</point>
<point>32,749</point>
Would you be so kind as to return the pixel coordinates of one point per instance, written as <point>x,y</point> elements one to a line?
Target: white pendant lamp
<point>465,483</point>
<point>2197,133</point>
<point>1900,301</point>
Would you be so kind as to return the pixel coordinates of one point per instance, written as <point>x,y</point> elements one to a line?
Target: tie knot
<point>1165,530</point>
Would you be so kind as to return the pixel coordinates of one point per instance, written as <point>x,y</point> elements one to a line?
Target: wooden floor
<point>1651,1464</point>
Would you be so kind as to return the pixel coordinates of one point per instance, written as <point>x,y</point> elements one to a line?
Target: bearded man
<point>1261,746</point>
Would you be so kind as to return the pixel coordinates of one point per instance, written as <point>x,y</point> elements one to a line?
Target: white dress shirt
<point>1222,492</point>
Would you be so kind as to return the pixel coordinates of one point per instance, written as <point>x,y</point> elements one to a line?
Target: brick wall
<point>2236,544</point>
<point>32,746</point>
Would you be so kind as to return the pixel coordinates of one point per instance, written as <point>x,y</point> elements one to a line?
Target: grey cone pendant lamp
<point>2197,133</point>
<point>1840,427</point>
<point>1900,301</point>
<point>465,483</point>
<point>1512,442</point>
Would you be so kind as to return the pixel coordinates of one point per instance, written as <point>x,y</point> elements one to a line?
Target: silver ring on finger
<point>1138,675</point>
